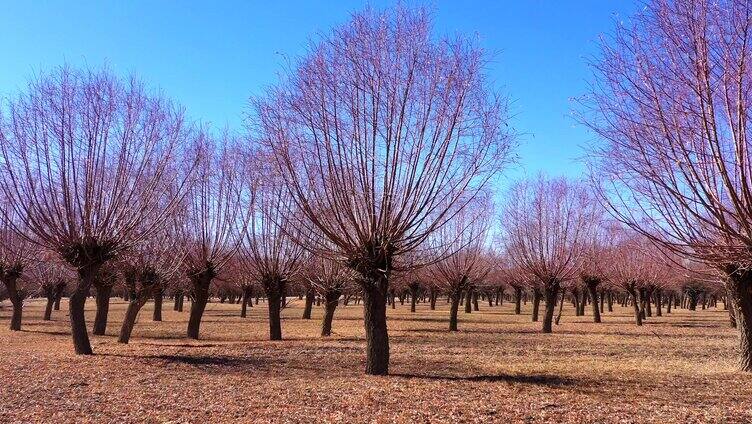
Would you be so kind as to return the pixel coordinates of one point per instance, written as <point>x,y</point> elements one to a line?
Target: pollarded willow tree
<point>83,156</point>
<point>16,254</point>
<point>382,132</point>
<point>462,258</point>
<point>214,217</point>
<point>146,269</point>
<point>546,226</point>
<point>270,251</point>
<point>671,101</point>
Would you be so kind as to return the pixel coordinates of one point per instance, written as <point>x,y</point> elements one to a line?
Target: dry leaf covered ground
<point>497,368</point>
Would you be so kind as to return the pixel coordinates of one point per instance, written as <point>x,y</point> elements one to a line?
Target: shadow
<point>219,360</point>
<point>541,380</point>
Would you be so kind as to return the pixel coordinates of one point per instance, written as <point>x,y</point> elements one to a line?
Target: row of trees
<point>370,163</point>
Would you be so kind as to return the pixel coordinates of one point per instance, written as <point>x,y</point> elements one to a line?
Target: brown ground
<point>497,368</point>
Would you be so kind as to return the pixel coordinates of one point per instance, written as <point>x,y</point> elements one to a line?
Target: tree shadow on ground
<point>538,379</point>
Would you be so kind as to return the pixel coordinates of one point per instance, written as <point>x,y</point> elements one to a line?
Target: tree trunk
<point>658,303</point>
<point>129,321</point>
<point>610,301</point>
<point>201,283</point>
<point>331,302</point>
<point>739,287</point>
<point>636,305</point>
<point>48,308</point>
<point>592,287</point>
<point>551,291</point>
<point>469,301</point>
<point>475,301</point>
<point>104,291</point>
<point>309,297</point>
<point>15,320</point>
<point>158,304</point>
<point>433,299</point>
<point>275,289</point>
<point>454,308</point>
<point>76,304</point>
<point>536,303</point>
<point>374,320</point>
<point>57,302</point>
<point>561,307</point>
<point>517,300</point>
<point>413,298</point>
<point>178,299</point>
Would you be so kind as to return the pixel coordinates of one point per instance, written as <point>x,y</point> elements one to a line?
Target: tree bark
<point>551,291</point>
<point>48,308</point>
<point>454,309</point>
<point>104,291</point>
<point>158,304</point>
<point>635,304</point>
<point>201,283</point>
<point>331,302</point>
<point>739,288</point>
<point>561,306</point>
<point>536,303</point>
<point>76,304</point>
<point>275,289</point>
<point>469,301</point>
<point>517,300</point>
<point>592,287</point>
<point>129,321</point>
<point>309,297</point>
<point>374,320</point>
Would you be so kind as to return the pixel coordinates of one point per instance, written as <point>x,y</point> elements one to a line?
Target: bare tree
<point>146,270</point>
<point>214,218</point>
<point>462,256</point>
<point>381,133</point>
<point>270,250</point>
<point>546,223</point>
<point>83,156</point>
<point>670,101</point>
<point>16,254</point>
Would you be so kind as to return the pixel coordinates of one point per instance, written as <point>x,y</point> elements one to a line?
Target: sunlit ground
<point>677,368</point>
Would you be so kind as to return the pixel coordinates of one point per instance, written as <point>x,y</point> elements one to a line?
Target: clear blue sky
<point>211,56</point>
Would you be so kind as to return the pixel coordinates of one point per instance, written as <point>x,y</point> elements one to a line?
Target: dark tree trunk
<point>413,297</point>
<point>739,288</point>
<point>178,299</point>
<point>309,297</point>
<point>610,302</point>
<point>469,301</point>
<point>331,302</point>
<point>275,289</point>
<point>374,319</point>
<point>561,307</point>
<point>536,303</point>
<point>517,300</point>
<point>433,299</point>
<point>48,308</point>
<point>592,287</point>
<point>104,291</point>
<point>158,304</point>
<point>551,291</point>
<point>16,299</point>
<point>576,301</point>
<point>635,304</point>
<point>129,321</point>
<point>57,302</point>
<point>658,302</point>
<point>669,303</point>
<point>246,301</point>
<point>76,305</point>
<point>475,301</point>
<point>454,309</point>
<point>201,283</point>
